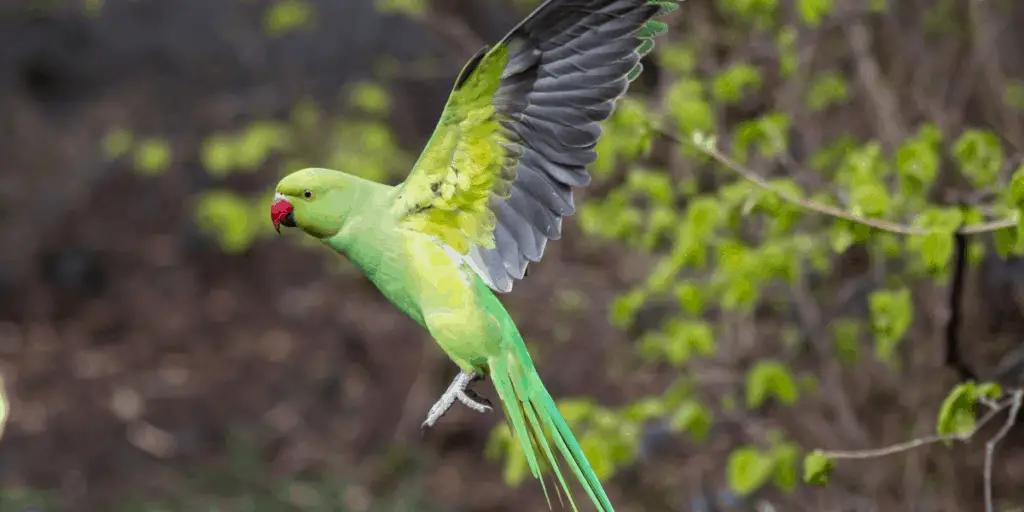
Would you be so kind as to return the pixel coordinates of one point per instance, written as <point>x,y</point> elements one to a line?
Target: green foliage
<point>731,85</point>
<point>609,437</point>
<point>245,151</point>
<point>957,414</point>
<point>406,7</point>
<point>770,379</point>
<point>1013,95</point>
<point>762,14</point>
<point>627,136</point>
<point>370,98</point>
<point>285,16</point>
<point>117,143</point>
<point>827,89</point>
<point>678,341</point>
<point>360,143</point>
<point>980,155</point>
<point>152,157</point>
<point>767,133</point>
<point>688,108</point>
<point>891,315</point>
<point>846,333</point>
<point>812,11</point>
<point>230,219</point>
<point>817,466</point>
<point>748,470</point>
<point>935,250</point>
<point>917,161</point>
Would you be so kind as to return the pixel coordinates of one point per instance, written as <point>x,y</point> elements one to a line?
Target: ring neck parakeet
<point>487,193</point>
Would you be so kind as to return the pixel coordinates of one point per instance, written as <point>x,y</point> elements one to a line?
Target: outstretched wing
<point>519,129</point>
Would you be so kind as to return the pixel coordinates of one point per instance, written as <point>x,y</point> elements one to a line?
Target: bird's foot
<point>458,390</point>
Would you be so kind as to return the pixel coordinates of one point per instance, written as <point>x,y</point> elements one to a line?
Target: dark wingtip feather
<point>563,78</point>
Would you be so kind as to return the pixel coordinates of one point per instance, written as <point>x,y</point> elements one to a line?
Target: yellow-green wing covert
<point>519,129</point>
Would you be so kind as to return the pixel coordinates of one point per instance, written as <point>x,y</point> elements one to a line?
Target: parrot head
<point>307,200</point>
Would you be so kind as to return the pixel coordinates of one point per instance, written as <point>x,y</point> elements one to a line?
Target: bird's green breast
<point>428,282</point>
<point>379,252</point>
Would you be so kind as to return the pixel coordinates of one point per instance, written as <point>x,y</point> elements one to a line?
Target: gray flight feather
<point>569,61</point>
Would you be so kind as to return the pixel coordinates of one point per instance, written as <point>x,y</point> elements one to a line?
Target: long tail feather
<point>537,424</point>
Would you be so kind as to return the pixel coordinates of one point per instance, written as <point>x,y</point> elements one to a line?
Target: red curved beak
<point>282,212</point>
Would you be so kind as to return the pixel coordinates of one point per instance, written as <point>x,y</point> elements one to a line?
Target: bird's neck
<point>369,229</point>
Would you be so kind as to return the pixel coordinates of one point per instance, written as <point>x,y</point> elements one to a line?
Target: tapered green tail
<point>536,422</point>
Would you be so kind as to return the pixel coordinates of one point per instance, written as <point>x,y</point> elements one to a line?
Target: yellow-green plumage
<point>487,193</point>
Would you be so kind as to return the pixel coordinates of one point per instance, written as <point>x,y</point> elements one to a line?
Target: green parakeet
<point>487,193</point>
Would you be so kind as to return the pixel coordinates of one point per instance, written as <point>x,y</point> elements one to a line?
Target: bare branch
<point>918,442</point>
<point>990,446</point>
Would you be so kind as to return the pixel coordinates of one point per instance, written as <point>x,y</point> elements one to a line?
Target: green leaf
<point>786,457</point>
<point>217,154</point>
<point>411,8</point>
<point>686,104</point>
<point>841,236</point>
<point>732,84</point>
<point>226,216</point>
<point>869,199</point>
<point>748,470</point>
<point>989,390</point>
<point>1015,192</point>
<point>370,98</point>
<point>598,453</point>
<point>918,159</point>
<point>827,89</point>
<point>693,418</point>
<point>625,307</point>
<point>1013,95</point>
<point>117,143</point>
<point>287,15</point>
<point>846,332</point>
<point>1005,241</point>
<point>980,155</point>
<point>789,58</point>
<point>770,378</point>
<point>812,11</point>
<point>676,57</point>
<point>817,466</point>
<point>152,157</point>
<point>891,315</point>
<point>690,298</point>
<point>645,409</point>
<point>935,250</point>
<point>956,416</point>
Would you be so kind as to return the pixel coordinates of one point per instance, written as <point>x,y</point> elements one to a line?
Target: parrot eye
<point>308,194</point>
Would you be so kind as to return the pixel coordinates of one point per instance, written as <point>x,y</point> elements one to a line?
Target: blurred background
<point>163,349</point>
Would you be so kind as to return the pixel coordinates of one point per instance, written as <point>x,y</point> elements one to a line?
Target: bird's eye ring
<point>308,194</point>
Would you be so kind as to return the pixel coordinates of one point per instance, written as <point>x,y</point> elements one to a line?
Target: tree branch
<point>814,206</point>
<point>953,356</point>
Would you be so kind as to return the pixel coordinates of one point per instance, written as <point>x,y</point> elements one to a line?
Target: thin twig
<point>814,206</point>
<point>922,441</point>
<point>990,446</point>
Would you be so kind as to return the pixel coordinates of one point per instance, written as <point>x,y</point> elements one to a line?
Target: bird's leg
<point>458,390</point>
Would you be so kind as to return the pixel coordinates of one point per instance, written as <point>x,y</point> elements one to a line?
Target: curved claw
<point>457,390</point>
